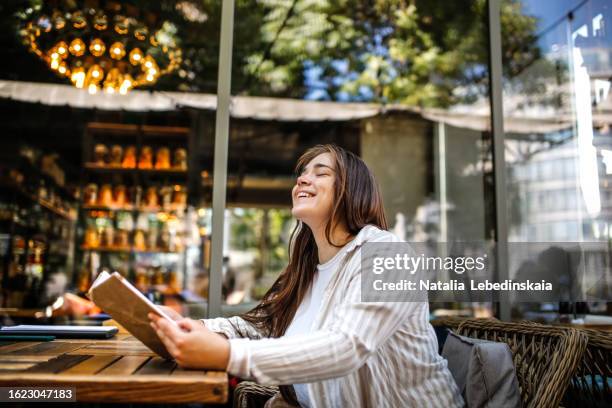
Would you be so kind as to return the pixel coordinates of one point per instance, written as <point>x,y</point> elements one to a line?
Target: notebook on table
<point>128,307</point>
<point>65,332</point>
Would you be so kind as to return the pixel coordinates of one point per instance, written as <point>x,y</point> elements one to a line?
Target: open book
<point>117,297</point>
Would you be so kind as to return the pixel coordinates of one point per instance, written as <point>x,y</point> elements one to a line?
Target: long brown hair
<point>357,203</point>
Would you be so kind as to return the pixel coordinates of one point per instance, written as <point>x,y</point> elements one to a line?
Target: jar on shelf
<point>180,159</point>
<point>173,282</point>
<point>179,198</point>
<point>43,192</point>
<point>166,197</point>
<point>116,155</point>
<point>100,154</point>
<point>92,239</point>
<point>146,158</point>
<point>90,194</point>
<point>139,240</point>
<point>162,158</point>
<point>164,238</point>
<point>125,224</point>
<point>151,199</point>
<point>136,194</point>
<point>107,238</point>
<point>142,222</point>
<point>122,238</point>
<point>142,280</point>
<point>106,195</point>
<point>158,277</point>
<point>129,158</point>
<point>152,237</point>
<point>125,221</point>
<point>121,196</point>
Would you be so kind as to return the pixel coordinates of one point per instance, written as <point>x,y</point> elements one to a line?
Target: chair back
<point>545,357</point>
<point>591,385</point>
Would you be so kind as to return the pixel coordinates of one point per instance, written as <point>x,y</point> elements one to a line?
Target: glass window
<point>560,84</point>
<point>302,75</point>
<point>138,165</point>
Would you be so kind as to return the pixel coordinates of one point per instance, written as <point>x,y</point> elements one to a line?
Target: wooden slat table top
<point>119,370</point>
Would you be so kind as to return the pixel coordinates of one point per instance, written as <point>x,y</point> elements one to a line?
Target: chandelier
<point>101,45</point>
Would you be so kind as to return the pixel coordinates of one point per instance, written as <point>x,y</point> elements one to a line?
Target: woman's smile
<point>304,194</point>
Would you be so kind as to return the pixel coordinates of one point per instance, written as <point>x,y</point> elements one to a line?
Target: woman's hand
<point>192,344</point>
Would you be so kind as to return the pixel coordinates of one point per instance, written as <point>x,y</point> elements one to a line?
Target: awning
<point>276,109</point>
<point>247,107</point>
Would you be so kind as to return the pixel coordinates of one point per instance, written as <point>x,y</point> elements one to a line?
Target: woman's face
<point>313,193</point>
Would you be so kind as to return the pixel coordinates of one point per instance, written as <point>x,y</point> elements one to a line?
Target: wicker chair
<point>545,357</point>
<point>591,385</point>
<point>252,395</point>
<point>450,322</point>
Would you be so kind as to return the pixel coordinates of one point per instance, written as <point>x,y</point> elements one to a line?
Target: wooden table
<point>120,369</point>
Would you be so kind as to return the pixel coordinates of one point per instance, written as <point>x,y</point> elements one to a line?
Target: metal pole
<point>224,78</point>
<point>440,166</point>
<point>499,162</point>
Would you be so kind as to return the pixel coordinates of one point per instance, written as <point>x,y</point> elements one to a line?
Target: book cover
<point>117,297</point>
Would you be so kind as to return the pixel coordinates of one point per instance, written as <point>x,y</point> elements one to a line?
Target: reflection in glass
<point>557,119</point>
<point>404,85</point>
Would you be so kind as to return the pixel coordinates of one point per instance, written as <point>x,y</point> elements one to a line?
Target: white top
<point>308,310</point>
<point>357,354</point>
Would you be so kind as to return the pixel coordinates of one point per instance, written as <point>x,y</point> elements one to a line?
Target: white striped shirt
<point>358,354</point>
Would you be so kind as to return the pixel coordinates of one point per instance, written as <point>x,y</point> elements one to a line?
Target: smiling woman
<point>312,329</point>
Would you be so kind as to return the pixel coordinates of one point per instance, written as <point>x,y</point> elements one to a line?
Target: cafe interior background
<point>109,121</point>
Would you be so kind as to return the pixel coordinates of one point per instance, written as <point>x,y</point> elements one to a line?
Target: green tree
<point>419,52</point>
<point>414,52</point>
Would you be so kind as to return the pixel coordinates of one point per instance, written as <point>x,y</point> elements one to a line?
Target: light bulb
<point>62,49</point>
<point>77,47</point>
<point>100,22</point>
<point>94,74</point>
<point>97,47</point>
<point>136,56</point>
<point>63,68</point>
<point>117,50</point>
<point>78,77</point>
<point>126,85</point>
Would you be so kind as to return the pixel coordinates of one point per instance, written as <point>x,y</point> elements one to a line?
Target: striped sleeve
<point>233,328</point>
<point>354,332</point>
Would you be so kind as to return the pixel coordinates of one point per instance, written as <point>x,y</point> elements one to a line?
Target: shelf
<point>157,251</point>
<point>31,230</point>
<point>135,130</point>
<point>133,209</point>
<point>129,250</point>
<point>109,169</point>
<point>57,211</point>
<point>105,249</point>
<point>42,202</point>
<point>107,208</point>
<point>64,191</point>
